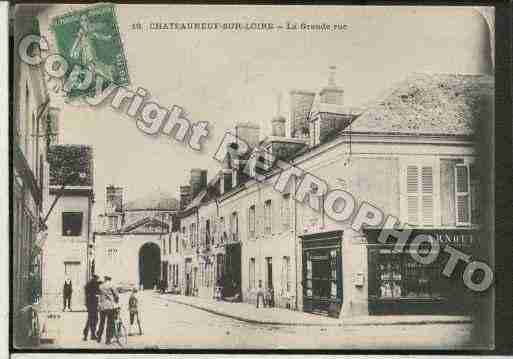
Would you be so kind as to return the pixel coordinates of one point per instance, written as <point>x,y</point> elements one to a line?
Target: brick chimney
<point>278,126</point>
<point>278,121</point>
<point>185,196</point>
<point>300,105</point>
<point>329,116</point>
<point>248,132</point>
<point>198,180</point>
<point>114,199</point>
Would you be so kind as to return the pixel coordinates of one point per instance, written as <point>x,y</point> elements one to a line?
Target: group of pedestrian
<point>102,297</point>
<point>266,297</point>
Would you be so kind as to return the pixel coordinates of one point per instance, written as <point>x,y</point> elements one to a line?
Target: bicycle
<point>119,333</point>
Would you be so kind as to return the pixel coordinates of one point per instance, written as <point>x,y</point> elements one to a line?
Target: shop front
<point>400,284</point>
<point>322,273</point>
<point>232,282</point>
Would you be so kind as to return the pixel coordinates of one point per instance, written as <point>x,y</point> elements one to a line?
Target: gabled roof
<point>145,221</point>
<point>440,104</point>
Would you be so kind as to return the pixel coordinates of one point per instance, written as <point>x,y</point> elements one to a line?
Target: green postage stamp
<point>90,38</point>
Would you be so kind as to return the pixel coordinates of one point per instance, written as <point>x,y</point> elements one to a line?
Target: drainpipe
<point>259,240</point>
<point>197,247</point>
<point>88,242</point>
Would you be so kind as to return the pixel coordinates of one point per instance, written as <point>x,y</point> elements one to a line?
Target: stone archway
<point>149,265</point>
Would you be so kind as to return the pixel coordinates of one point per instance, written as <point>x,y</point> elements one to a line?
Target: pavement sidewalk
<point>279,316</point>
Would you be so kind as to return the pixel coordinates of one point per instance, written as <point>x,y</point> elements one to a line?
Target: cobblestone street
<point>169,325</point>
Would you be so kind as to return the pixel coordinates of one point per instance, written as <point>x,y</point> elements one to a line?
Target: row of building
<point>413,154</point>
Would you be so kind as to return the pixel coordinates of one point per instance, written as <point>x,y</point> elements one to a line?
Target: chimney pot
<point>278,126</point>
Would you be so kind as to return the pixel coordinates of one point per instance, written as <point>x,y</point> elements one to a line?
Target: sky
<point>229,77</point>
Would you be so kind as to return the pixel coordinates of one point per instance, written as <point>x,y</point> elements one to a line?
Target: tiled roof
<point>440,104</point>
<point>157,200</point>
<point>436,104</point>
<point>72,164</point>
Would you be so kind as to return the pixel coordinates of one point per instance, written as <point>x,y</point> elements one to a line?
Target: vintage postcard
<point>252,177</point>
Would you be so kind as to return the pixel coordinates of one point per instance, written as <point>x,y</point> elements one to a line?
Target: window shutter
<point>462,195</point>
<point>427,195</point>
<point>412,190</point>
<point>475,215</point>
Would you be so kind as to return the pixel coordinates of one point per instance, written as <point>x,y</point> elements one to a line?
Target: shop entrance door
<point>232,289</point>
<point>322,274</point>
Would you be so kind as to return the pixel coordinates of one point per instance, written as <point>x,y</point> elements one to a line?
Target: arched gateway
<point>149,265</point>
<point>129,246</point>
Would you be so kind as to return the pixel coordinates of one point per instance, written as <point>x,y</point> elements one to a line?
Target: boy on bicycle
<point>133,308</point>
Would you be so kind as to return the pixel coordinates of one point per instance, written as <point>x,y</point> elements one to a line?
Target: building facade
<point>70,203</point>
<point>29,112</point>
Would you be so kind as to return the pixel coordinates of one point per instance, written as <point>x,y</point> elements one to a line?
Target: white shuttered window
<point>419,195</point>
<point>462,191</point>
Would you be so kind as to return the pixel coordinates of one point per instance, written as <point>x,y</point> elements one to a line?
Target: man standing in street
<point>108,303</point>
<point>67,290</point>
<point>92,290</point>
